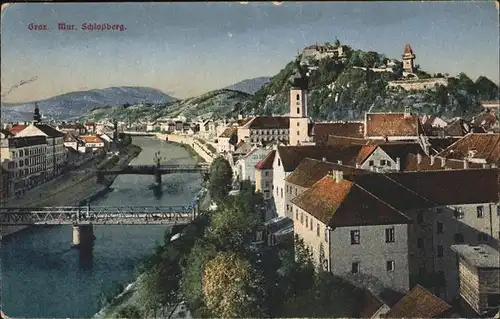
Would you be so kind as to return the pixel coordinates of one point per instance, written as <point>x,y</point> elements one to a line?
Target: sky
<point>185,49</point>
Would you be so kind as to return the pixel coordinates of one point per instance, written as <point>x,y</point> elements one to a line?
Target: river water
<point>43,277</point>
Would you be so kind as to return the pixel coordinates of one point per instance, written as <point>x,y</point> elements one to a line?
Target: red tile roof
<point>365,152</point>
<point>291,156</point>
<point>311,170</point>
<point>229,132</point>
<point>392,124</point>
<point>342,140</point>
<point>266,162</point>
<point>485,120</point>
<point>411,164</point>
<point>419,303</point>
<point>369,304</point>
<point>244,121</point>
<point>408,49</point>
<point>321,131</point>
<point>17,128</point>
<point>484,146</point>
<point>269,122</point>
<point>343,203</point>
<point>91,139</point>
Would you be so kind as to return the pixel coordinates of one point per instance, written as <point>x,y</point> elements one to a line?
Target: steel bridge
<point>157,169</point>
<point>98,215</point>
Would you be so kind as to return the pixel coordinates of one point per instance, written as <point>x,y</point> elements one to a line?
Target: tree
<point>232,288</point>
<point>336,44</point>
<point>130,312</point>
<point>221,177</point>
<point>369,58</point>
<point>192,276</point>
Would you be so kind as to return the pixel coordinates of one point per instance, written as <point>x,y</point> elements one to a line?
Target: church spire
<point>37,118</point>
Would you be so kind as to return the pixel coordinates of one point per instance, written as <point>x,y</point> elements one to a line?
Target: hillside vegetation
<point>340,91</point>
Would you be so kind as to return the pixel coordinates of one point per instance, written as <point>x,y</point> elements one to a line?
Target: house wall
<point>267,135</point>
<point>372,253</point>
<point>470,227</point>
<point>243,134</point>
<point>376,157</point>
<point>314,233</point>
<point>264,182</point>
<point>223,144</point>
<point>248,163</point>
<point>279,176</point>
<point>291,191</point>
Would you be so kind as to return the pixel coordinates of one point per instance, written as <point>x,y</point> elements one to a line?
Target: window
<point>389,235</point>
<point>311,225</point>
<point>287,207</point>
<point>482,237</point>
<point>266,173</point>
<point>458,238</point>
<point>355,267</point>
<point>480,211</point>
<point>440,250</point>
<point>370,163</point>
<point>298,132</point>
<point>298,110</point>
<point>307,221</point>
<point>297,215</point>
<point>281,192</point>
<point>326,234</point>
<point>354,237</point>
<point>382,162</point>
<point>298,124</point>
<point>420,243</point>
<point>420,217</point>
<point>302,218</point>
<point>389,163</point>
<point>279,162</point>
<point>298,97</point>
<point>317,229</point>
<point>459,213</point>
<point>390,265</point>
<point>439,210</point>
<point>267,184</point>
<point>439,228</point>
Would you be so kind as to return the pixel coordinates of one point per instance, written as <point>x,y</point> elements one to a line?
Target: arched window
<point>298,97</point>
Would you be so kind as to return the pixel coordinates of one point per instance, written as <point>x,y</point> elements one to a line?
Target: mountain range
<point>250,86</point>
<point>75,104</point>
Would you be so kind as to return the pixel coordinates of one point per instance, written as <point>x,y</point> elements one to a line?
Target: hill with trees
<point>343,89</point>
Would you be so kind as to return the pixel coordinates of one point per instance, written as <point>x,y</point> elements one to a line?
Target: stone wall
<point>420,84</point>
<point>197,146</point>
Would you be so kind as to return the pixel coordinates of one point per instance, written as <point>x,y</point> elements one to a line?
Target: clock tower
<point>298,130</point>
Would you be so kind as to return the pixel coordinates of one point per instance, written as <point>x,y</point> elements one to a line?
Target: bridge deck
<point>162,169</point>
<point>105,215</point>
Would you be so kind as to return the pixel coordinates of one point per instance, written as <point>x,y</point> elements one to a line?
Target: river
<point>43,277</point>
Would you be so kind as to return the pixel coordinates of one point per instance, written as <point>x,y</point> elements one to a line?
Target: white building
<point>56,153</point>
<point>352,233</point>
<point>25,160</point>
<point>227,140</point>
<point>93,142</point>
<point>246,164</point>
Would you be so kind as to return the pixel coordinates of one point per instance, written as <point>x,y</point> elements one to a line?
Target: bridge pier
<point>157,178</point>
<point>83,236</point>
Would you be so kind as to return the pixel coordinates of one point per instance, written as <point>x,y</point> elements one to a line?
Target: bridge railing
<point>97,215</point>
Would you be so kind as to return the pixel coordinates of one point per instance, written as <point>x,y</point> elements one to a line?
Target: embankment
<point>200,148</point>
<point>75,188</point>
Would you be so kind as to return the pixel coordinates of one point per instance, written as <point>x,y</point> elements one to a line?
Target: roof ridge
<point>382,201</point>
<point>410,190</point>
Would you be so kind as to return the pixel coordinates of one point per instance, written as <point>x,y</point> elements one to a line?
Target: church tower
<point>298,130</point>
<point>408,59</point>
<point>37,118</point>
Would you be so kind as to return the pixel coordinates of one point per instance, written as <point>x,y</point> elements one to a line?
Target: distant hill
<point>75,104</point>
<point>250,86</point>
<point>216,103</point>
<point>342,89</point>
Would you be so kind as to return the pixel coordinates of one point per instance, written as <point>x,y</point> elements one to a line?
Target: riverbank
<point>200,148</point>
<point>129,296</point>
<point>73,188</point>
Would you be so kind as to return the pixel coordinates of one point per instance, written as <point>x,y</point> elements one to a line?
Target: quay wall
<point>197,146</point>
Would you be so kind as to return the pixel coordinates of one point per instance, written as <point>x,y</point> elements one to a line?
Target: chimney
<point>419,158</point>
<point>324,159</point>
<point>339,176</point>
<point>432,159</point>
<point>466,164</point>
<point>443,162</point>
<point>398,164</point>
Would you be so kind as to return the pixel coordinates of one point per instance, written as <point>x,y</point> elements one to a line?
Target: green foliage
<point>221,176</point>
<point>129,312</point>
<point>232,288</point>
<point>192,276</point>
